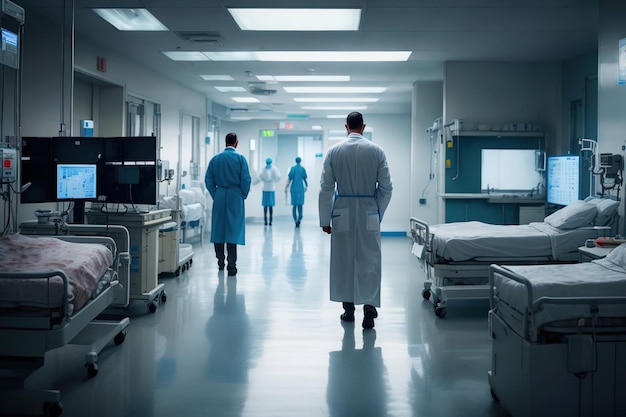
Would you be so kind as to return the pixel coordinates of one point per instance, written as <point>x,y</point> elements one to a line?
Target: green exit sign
<point>267,133</point>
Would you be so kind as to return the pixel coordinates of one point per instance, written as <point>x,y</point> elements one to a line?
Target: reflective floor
<point>270,343</point>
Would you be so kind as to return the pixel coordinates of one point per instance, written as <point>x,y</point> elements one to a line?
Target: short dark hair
<point>231,138</point>
<point>354,120</point>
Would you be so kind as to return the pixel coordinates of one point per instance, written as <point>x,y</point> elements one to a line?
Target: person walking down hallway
<point>297,185</point>
<point>358,170</point>
<point>228,181</point>
<point>269,175</point>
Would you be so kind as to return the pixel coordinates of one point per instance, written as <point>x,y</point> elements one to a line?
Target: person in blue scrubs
<point>297,181</point>
<point>228,181</point>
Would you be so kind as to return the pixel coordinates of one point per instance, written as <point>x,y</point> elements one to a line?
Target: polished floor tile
<point>268,342</point>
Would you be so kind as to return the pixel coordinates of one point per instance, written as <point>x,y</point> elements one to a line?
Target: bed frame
<point>26,336</point>
<point>556,370</point>
<point>468,279</point>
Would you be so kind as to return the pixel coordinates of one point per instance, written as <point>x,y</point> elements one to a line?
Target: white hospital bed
<point>51,291</point>
<point>558,335</point>
<point>456,256</point>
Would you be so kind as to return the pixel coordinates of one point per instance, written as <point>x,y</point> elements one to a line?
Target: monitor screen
<point>563,178</point>
<point>9,51</point>
<point>76,181</point>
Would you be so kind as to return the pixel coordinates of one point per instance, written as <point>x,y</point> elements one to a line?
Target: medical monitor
<point>563,178</point>
<point>9,52</point>
<point>76,182</point>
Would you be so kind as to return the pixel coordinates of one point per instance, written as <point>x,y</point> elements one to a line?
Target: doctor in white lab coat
<point>355,190</point>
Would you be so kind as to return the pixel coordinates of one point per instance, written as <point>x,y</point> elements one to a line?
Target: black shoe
<point>370,314</point>
<point>348,317</point>
<point>232,272</point>
<point>220,266</point>
<point>297,224</point>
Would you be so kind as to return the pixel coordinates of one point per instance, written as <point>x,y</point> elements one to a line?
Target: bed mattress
<point>86,266</point>
<point>599,278</point>
<point>473,240</point>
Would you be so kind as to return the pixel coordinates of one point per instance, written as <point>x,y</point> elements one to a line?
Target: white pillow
<point>618,256</point>
<point>577,214</point>
<point>606,209</point>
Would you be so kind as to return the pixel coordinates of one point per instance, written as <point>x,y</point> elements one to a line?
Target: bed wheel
<point>184,267</point>
<point>92,369</point>
<point>177,271</point>
<point>52,409</point>
<point>163,297</point>
<point>440,312</point>
<point>152,306</point>
<point>120,337</point>
<point>190,262</point>
<point>425,294</point>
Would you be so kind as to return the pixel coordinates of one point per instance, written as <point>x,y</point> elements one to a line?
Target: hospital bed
<point>558,337</point>
<point>456,256</point>
<point>52,289</point>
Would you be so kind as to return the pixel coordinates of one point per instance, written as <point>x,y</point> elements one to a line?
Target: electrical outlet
<point>422,201</point>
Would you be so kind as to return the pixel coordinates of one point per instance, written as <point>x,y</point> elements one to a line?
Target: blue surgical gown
<point>228,181</point>
<point>297,175</point>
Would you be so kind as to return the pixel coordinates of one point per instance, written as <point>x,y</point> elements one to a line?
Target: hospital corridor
<point>268,342</point>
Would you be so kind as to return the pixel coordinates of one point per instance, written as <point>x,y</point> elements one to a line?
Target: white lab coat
<point>355,190</point>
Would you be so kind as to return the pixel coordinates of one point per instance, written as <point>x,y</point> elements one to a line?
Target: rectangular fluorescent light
<point>186,56</point>
<point>335,90</point>
<point>333,56</point>
<point>336,100</point>
<point>291,56</point>
<point>245,99</point>
<point>131,19</point>
<point>336,116</point>
<point>229,89</point>
<point>217,77</point>
<point>352,108</point>
<point>297,19</point>
<point>304,78</point>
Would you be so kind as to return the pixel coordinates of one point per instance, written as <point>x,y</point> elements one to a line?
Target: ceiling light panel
<point>230,89</point>
<point>304,78</point>
<point>333,56</point>
<point>186,56</point>
<point>246,99</point>
<point>335,90</point>
<point>351,108</point>
<point>297,19</point>
<point>208,77</point>
<point>131,19</point>
<point>336,99</point>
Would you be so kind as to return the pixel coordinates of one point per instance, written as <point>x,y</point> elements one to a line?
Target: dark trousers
<point>267,209</point>
<point>232,255</point>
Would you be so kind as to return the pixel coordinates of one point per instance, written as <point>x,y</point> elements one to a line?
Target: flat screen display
<point>509,170</point>
<point>9,51</point>
<point>563,178</point>
<point>76,181</point>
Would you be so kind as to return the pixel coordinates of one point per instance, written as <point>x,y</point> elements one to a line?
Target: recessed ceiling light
<point>217,77</point>
<point>186,56</point>
<point>246,99</point>
<point>229,89</point>
<point>333,56</point>
<point>351,108</point>
<point>336,116</point>
<point>333,90</point>
<point>291,56</point>
<point>336,100</point>
<point>131,19</point>
<point>297,19</point>
<point>304,78</point>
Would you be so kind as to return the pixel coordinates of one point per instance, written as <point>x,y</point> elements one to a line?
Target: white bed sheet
<point>84,264</point>
<point>599,278</point>
<point>193,211</point>
<point>473,240</point>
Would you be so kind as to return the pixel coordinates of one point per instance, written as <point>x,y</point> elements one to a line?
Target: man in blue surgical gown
<point>355,190</point>
<point>228,181</point>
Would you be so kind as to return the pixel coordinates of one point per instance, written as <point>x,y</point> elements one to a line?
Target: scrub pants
<point>231,259</point>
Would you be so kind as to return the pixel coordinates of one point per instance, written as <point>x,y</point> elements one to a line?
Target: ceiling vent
<point>200,37</point>
<point>261,90</point>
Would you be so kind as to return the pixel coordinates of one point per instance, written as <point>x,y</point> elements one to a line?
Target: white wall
<point>611,95</point>
<point>392,132</point>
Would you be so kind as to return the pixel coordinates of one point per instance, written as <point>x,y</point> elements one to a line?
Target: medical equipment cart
<point>174,257</point>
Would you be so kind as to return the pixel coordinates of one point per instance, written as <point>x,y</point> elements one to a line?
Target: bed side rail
<point>420,232</point>
<point>493,298</point>
<point>43,275</point>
